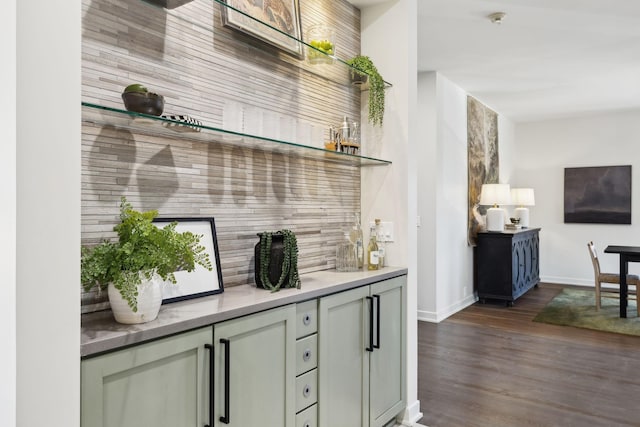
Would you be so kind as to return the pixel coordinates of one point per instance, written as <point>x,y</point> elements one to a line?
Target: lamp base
<point>523,214</point>
<point>495,219</point>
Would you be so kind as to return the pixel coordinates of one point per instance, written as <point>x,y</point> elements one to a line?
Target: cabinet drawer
<point>308,417</point>
<point>306,318</point>
<point>306,354</point>
<point>306,390</point>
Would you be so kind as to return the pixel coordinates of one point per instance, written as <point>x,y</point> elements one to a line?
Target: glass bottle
<point>380,240</point>
<point>357,239</point>
<point>373,261</point>
<point>346,259</point>
<point>330,143</point>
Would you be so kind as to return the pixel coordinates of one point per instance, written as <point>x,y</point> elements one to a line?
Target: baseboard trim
<point>437,317</point>
<point>566,281</point>
<point>410,416</point>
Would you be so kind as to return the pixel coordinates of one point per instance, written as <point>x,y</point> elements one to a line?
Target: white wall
<point>48,213</point>
<point>543,150</point>
<point>427,155</point>
<point>8,216</point>
<point>390,192</point>
<point>445,259</point>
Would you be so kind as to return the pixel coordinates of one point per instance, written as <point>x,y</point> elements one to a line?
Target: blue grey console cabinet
<point>507,264</point>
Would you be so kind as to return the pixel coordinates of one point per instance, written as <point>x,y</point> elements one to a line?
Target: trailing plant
<point>289,277</point>
<point>363,66</point>
<point>142,250</point>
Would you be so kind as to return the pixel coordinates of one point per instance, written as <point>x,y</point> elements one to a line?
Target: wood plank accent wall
<point>224,78</point>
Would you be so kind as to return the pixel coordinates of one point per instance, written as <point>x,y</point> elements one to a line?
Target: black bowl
<point>143,102</point>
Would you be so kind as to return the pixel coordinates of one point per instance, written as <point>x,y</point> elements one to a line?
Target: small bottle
<point>372,251</point>
<point>380,239</point>
<point>330,143</point>
<point>358,240</point>
<point>355,138</point>
<point>345,134</point>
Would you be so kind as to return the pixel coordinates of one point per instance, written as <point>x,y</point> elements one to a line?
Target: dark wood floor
<point>491,366</point>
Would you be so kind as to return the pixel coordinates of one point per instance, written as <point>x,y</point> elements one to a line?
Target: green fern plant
<point>363,66</point>
<point>142,250</point>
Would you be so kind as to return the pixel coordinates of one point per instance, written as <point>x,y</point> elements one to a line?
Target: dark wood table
<point>627,254</point>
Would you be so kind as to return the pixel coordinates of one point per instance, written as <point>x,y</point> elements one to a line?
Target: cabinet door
<point>163,383</point>
<point>343,334</point>
<point>255,370</point>
<point>387,361</point>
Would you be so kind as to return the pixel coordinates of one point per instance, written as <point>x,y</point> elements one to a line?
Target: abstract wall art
<point>482,160</point>
<point>597,195</point>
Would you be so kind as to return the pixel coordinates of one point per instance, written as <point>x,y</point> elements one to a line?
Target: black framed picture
<point>200,282</point>
<point>597,195</point>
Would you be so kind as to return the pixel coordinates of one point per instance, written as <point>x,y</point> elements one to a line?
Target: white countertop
<point>100,332</point>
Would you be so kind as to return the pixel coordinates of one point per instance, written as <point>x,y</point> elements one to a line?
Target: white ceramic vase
<point>149,301</point>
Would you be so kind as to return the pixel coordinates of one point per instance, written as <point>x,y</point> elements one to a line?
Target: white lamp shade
<point>522,197</point>
<point>495,194</point>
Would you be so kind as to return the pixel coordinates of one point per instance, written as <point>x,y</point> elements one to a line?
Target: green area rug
<point>573,307</point>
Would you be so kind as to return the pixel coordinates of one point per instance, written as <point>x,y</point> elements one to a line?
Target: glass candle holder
<point>346,256</point>
<point>322,40</point>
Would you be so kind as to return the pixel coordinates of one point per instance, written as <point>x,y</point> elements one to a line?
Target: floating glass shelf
<point>332,68</point>
<point>195,131</point>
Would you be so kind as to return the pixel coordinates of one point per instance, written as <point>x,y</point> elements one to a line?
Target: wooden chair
<point>612,278</point>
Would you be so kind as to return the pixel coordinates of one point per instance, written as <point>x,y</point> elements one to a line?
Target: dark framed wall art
<point>200,282</point>
<point>597,195</point>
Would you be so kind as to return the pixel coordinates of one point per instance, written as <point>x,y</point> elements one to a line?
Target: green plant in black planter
<point>142,250</point>
<point>363,66</point>
<point>279,261</point>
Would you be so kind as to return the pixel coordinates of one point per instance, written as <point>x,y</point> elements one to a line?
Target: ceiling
<point>548,58</point>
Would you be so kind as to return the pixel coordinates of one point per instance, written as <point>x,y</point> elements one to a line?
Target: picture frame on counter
<point>200,282</point>
<point>282,29</point>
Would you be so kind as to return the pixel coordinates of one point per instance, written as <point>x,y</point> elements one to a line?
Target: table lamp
<point>494,195</point>
<point>522,197</point>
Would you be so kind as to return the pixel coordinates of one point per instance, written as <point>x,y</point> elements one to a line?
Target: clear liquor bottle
<point>373,261</point>
<point>380,240</point>
<point>357,239</point>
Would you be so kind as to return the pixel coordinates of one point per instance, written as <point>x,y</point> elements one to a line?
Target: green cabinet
<point>339,362</point>
<point>255,370</point>
<point>387,361</point>
<point>162,384</point>
<point>361,355</point>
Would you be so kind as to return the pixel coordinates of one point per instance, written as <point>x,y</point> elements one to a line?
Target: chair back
<point>594,259</point>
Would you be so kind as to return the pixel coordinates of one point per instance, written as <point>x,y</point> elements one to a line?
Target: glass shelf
<point>195,131</point>
<point>334,68</point>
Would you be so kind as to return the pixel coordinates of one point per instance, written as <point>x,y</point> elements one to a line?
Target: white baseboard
<point>436,317</point>
<point>566,280</point>
<point>410,416</point>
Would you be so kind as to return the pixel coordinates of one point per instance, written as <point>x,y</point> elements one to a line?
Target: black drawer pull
<point>211,383</point>
<point>225,418</point>
<point>370,347</point>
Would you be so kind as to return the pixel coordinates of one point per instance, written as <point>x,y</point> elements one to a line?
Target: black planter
<point>275,262</point>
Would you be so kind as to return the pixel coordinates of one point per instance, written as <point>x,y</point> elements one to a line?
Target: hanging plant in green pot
<point>363,66</point>
<point>276,260</point>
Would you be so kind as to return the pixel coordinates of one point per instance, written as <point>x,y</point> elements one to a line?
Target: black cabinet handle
<point>370,347</point>
<point>211,383</point>
<point>377,297</point>
<point>227,345</point>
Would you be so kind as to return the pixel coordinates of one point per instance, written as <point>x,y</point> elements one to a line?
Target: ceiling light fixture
<point>497,17</point>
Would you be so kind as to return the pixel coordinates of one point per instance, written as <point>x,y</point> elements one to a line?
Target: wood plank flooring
<point>492,366</point>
